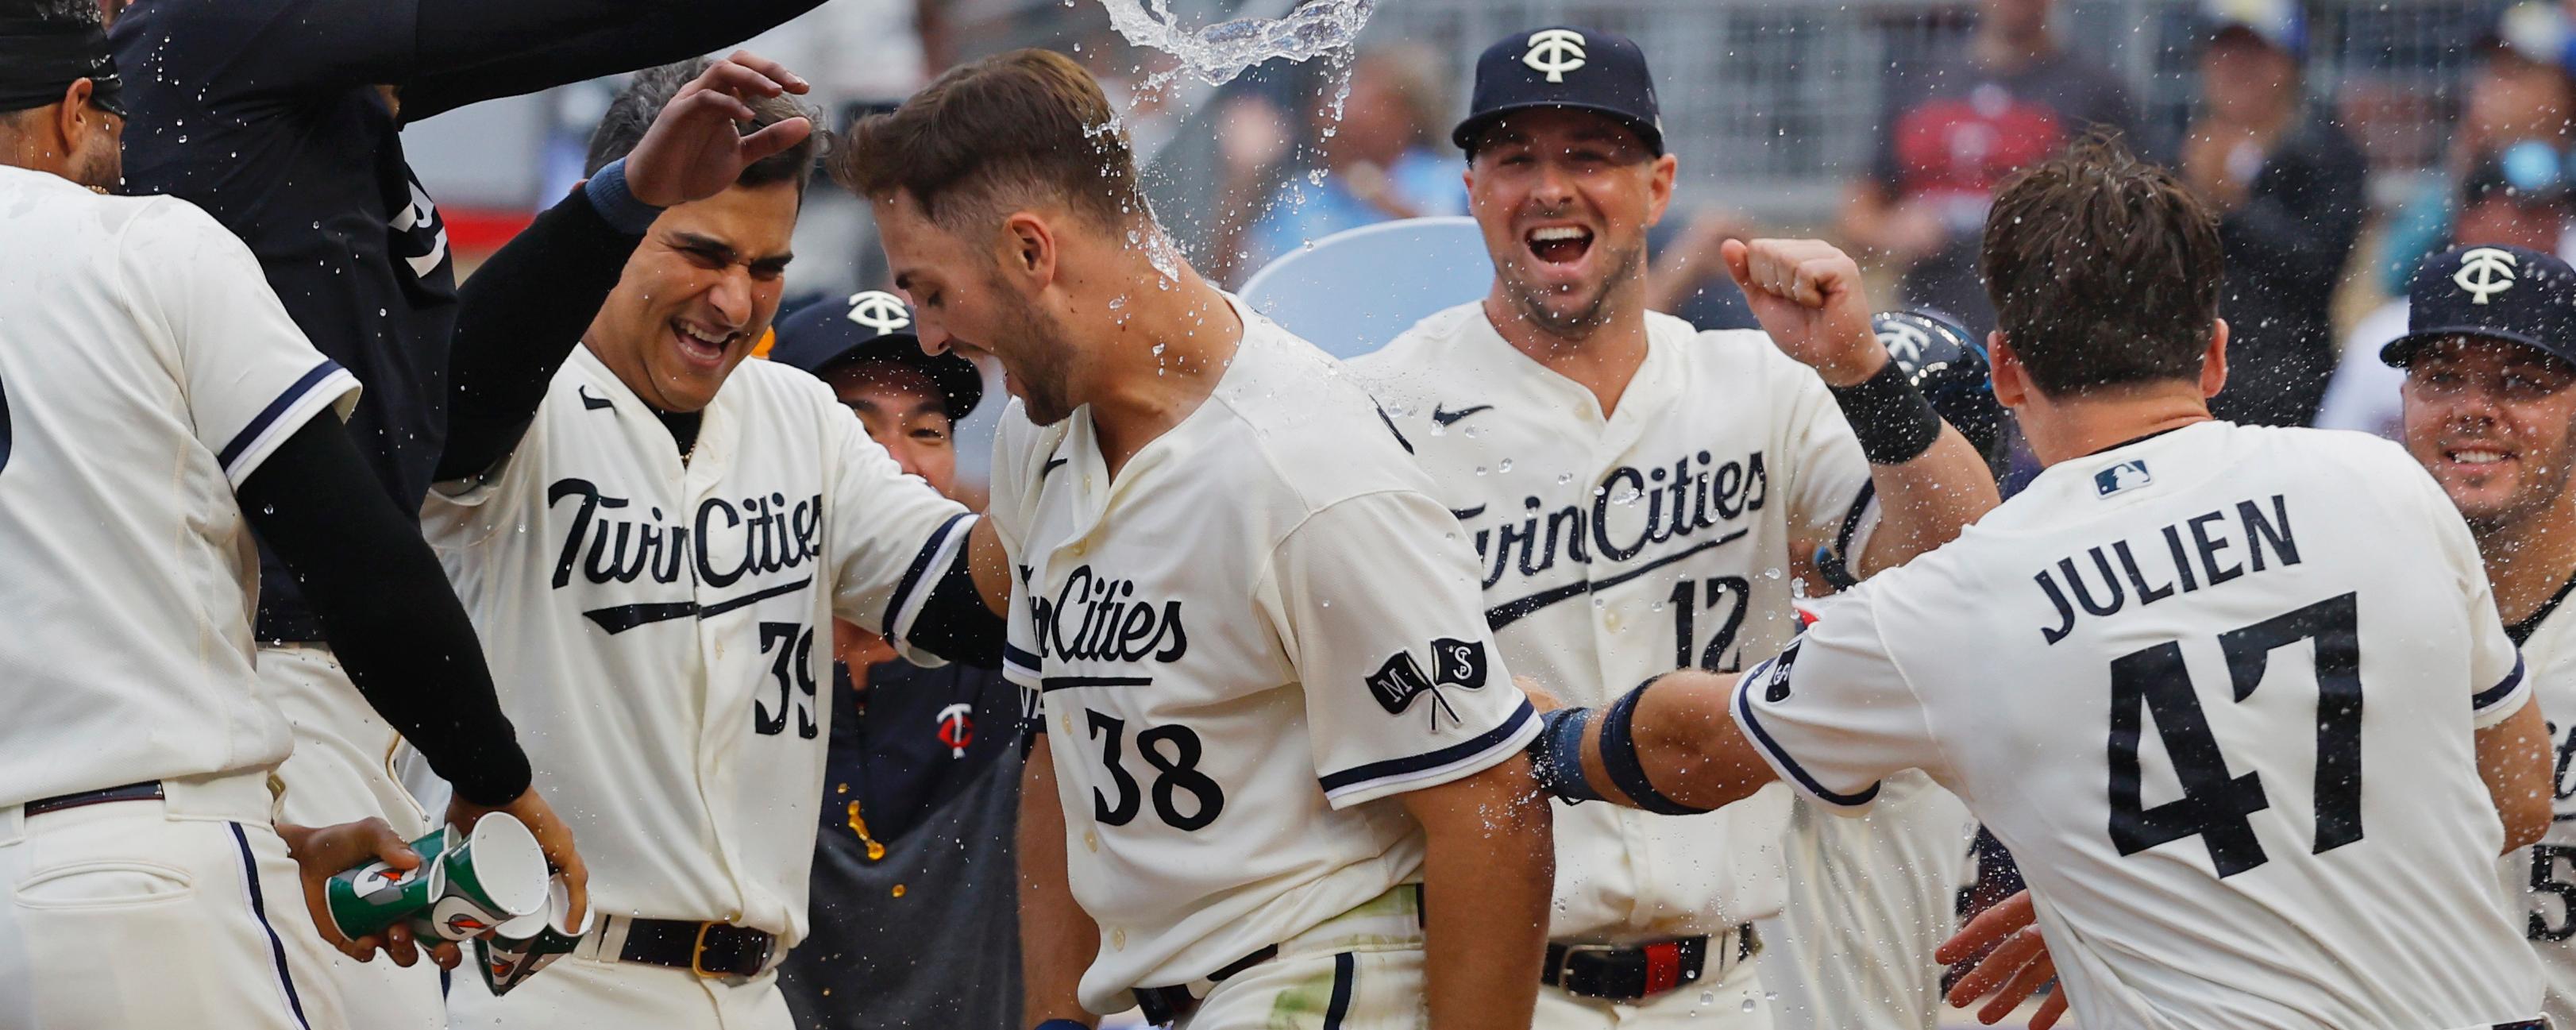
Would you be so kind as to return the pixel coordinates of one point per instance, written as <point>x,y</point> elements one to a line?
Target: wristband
<point>1556,755</point>
<point>1063,1024</point>
<point>615,203</point>
<point>1893,421</point>
<point>1619,754</point>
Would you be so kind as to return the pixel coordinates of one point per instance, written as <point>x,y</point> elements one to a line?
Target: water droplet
<point>1481,470</point>
<point>1504,466</point>
<point>1750,1004</point>
<point>1563,478</point>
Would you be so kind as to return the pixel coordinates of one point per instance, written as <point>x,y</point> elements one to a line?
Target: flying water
<point>1217,53</point>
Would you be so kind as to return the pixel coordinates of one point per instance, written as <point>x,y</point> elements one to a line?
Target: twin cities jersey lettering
<point>1613,550</point>
<point>659,629</point>
<point>2542,878</point>
<point>2217,690</point>
<point>1243,645</point>
<point>145,372</point>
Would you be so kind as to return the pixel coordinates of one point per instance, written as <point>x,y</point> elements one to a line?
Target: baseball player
<point>656,540</point>
<point>2490,406</point>
<point>1282,743</point>
<point>282,119</point>
<point>2254,761</point>
<point>1638,492</point>
<point>156,404</point>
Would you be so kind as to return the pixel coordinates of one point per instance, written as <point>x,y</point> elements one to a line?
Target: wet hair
<point>1002,134</point>
<point>643,99</point>
<point>2103,268</point>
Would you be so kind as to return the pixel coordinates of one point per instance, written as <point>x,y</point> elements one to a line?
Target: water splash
<point>1217,53</point>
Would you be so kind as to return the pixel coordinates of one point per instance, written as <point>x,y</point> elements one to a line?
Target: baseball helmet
<point>1949,367</point>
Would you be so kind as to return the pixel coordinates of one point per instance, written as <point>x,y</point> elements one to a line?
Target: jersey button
<point>1611,622</point>
<point>1118,939</point>
<point>1091,840</point>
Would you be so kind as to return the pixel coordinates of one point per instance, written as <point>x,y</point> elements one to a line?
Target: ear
<point>74,119</point>
<point>2213,362</point>
<point>1659,187</point>
<point>2012,382</point>
<point>1029,250</point>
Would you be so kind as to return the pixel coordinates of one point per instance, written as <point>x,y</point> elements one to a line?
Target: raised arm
<point>1929,482</point>
<point>475,50</point>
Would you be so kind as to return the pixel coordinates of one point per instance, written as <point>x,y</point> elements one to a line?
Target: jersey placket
<point>720,714</point>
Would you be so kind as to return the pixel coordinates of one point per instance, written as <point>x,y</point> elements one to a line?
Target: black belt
<point>707,949</point>
<point>1164,1005</point>
<point>1633,972</point>
<point>2522,1024</point>
<point>146,791</point>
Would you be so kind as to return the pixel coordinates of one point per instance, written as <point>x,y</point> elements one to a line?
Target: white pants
<point>1732,1000</point>
<point>340,772</point>
<point>1869,900</point>
<point>1361,970</point>
<point>581,992</point>
<point>158,914</point>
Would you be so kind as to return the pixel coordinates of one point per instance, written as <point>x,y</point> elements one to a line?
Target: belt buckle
<point>1565,966</point>
<point>698,954</point>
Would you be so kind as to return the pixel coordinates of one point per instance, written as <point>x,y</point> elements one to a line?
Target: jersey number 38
<point>2215,803</point>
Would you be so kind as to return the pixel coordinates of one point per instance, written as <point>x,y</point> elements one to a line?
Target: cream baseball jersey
<point>2217,689</point>
<point>145,372</point>
<point>2542,878</point>
<point>658,629</point>
<point>1613,550</point>
<point>1244,645</point>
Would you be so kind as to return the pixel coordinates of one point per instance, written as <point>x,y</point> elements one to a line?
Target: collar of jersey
<point>1656,381</point>
<point>715,429</point>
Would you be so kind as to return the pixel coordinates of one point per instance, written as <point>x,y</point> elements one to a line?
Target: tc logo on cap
<point>878,310</point>
<point>2485,272</point>
<point>1554,51</point>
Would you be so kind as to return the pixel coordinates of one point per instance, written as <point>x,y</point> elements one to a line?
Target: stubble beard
<point>1532,301</point>
<point>1040,357</point>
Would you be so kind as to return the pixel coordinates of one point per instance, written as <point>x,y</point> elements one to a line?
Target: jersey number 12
<point>2215,803</point>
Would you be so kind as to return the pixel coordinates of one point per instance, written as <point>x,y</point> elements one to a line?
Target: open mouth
<point>1558,244</point>
<point>2479,457</point>
<point>699,345</point>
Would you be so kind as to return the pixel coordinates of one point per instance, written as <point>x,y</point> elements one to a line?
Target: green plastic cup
<point>495,874</point>
<point>371,897</point>
<point>522,946</point>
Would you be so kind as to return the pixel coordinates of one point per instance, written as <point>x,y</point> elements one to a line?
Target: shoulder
<point>1733,360</point>
<point>1318,433</point>
<point>1420,348</point>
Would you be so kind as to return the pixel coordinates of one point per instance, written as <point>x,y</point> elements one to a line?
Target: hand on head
<point>695,149</point>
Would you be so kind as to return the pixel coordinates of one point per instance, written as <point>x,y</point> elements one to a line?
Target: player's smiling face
<point>1564,199</point>
<point>697,295</point>
<point>2492,422</point>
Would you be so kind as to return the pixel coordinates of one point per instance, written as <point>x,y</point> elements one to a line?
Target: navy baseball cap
<point>2498,293</point>
<point>873,325</point>
<point>1579,69</point>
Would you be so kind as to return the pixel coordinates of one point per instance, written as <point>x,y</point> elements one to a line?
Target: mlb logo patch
<point>2125,476</point>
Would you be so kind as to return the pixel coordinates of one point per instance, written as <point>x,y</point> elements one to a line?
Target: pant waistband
<point>1401,907</point>
<point>1632,972</point>
<point>148,790</point>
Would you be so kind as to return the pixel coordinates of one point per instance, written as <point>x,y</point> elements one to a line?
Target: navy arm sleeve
<point>956,624</point>
<point>517,319</point>
<point>386,608</point>
<point>474,50</point>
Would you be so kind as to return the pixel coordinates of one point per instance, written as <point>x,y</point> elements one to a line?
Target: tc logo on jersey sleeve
<point>1454,663</point>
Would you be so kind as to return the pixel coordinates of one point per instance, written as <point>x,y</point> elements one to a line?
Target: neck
<point>2064,430</point>
<point>24,149</point>
<point>1603,360</point>
<point>2529,558</point>
<point>1158,359</point>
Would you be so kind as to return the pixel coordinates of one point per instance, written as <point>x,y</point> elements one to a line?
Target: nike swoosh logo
<point>1051,466</point>
<point>1450,418</point>
<point>588,402</point>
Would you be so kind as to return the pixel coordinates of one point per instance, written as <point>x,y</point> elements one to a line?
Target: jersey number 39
<point>2215,804</point>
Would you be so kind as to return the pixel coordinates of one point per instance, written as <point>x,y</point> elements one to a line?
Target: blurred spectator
<point>2288,187</point>
<point>1687,278</point>
<point>1379,161</point>
<point>2518,90</point>
<point>1957,126</point>
<point>2523,197</point>
<point>914,920</point>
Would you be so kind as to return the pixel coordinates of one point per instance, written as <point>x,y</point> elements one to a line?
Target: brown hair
<point>643,99</point>
<point>2103,268</point>
<point>997,135</point>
